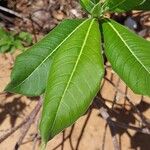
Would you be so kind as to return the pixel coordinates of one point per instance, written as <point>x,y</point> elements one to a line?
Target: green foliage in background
<point>10,41</point>
<point>67,65</point>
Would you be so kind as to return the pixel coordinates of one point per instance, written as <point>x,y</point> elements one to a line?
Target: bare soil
<point>96,135</point>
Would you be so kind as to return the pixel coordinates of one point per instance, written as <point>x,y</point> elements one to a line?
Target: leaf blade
<point>94,7</point>
<point>123,5</point>
<point>31,80</point>
<point>61,105</point>
<point>144,6</point>
<point>128,54</point>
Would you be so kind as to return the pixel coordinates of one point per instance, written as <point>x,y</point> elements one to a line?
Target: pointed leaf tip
<point>129,56</point>
<point>74,79</point>
<point>31,68</point>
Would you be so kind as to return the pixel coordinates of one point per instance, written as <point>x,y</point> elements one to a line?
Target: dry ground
<point>96,135</point>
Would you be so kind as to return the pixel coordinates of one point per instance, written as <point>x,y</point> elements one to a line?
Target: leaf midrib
<point>128,47</point>
<point>51,53</point>
<point>95,6</point>
<point>73,71</point>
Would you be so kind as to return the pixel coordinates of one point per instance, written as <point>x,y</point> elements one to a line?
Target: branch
<point>125,126</point>
<point>3,17</point>
<point>103,111</point>
<point>12,12</point>
<point>66,138</point>
<point>99,103</point>
<point>83,129</point>
<point>29,118</point>
<point>106,116</point>
<point>144,122</point>
<point>26,126</point>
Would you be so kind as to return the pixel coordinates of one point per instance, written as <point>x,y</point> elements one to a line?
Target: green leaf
<point>74,80</point>
<point>26,37</point>
<point>129,56</point>
<point>97,10</point>
<point>87,4</point>
<point>4,48</point>
<point>17,45</point>
<point>144,6</point>
<point>30,73</point>
<point>94,7</point>
<point>123,5</point>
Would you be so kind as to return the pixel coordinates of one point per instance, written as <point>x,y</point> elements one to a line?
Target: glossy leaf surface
<point>123,5</point>
<point>73,81</point>
<point>129,56</point>
<point>92,6</point>
<point>30,73</point>
<point>144,6</point>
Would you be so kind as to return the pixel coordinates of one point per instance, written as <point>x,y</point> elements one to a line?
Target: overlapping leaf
<point>92,6</point>
<point>129,56</point>
<point>74,79</point>
<point>144,6</point>
<point>87,5</point>
<point>30,73</point>
<point>123,5</point>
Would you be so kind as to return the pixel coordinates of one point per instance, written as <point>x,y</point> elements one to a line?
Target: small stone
<point>131,23</point>
<point>75,13</point>
<point>41,17</point>
<point>58,15</point>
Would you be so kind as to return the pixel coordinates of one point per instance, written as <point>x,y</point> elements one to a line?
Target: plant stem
<point>43,145</point>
